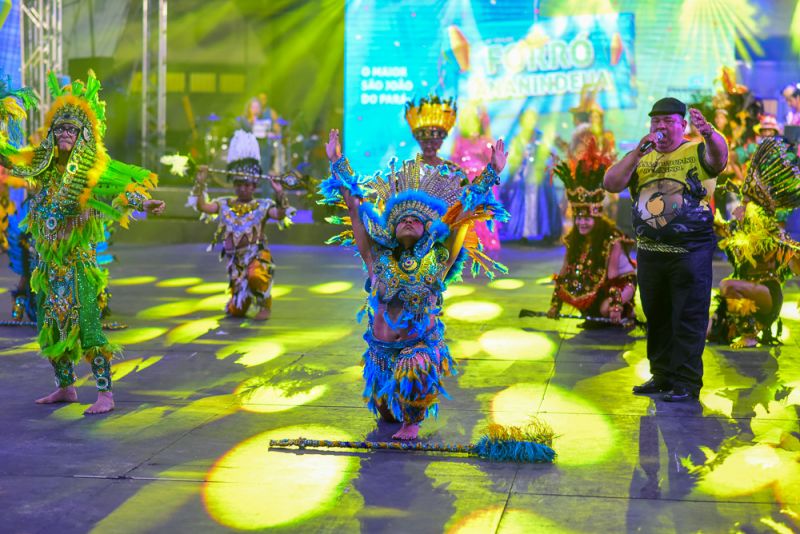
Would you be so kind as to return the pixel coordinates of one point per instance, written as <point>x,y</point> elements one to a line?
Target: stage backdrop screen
<point>513,69</point>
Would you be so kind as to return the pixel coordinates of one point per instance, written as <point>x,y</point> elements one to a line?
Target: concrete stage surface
<point>199,396</point>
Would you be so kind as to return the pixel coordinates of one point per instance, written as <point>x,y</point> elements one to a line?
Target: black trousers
<point>675,290</point>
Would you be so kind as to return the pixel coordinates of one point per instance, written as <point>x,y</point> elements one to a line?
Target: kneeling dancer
<point>413,230</point>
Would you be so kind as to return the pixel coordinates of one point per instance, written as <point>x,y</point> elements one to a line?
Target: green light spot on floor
<point>745,471</point>
<point>517,344</point>
<point>473,311</point>
<point>271,399</point>
<point>133,336</point>
<point>132,281</point>
<point>252,351</point>
<point>331,288</point>
<point>454,291</point>
<point>506,283</point>
<point>544,281</point>
<point>31,346</point>
<point>253,488</point>
<point>180,282</point>
<point>188,332</point>
<point>168,310</point>
<point>208,288</point>
<point>280,291</point>
<point>789,310</point>
<point>213,303</point>
<point>260,352</point>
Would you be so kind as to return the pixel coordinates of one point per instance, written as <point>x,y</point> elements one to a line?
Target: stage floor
<point>199,396</point>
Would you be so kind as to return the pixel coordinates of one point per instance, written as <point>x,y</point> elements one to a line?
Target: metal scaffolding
<point>154,80</point>
<point>41,43</point>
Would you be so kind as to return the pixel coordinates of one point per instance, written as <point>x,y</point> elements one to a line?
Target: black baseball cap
<point>668,106</point>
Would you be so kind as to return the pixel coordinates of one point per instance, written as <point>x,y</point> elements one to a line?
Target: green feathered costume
<point>68,208</point>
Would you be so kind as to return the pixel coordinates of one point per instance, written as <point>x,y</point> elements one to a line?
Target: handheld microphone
<point>650,144</point>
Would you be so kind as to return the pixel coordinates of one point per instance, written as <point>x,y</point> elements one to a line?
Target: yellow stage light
<point>454,291</point>
<point>517,344</point>
<point>189,331</point>
<point>132,281</point>
<point>506,283</point>
<point>254,488</point>
<point>168,310</point>
<point>208,288</point>
<point>270,399</point>
<point>179,282</point>
<point>132,336</point>
<point>331,288</point>
<point>473,311</point>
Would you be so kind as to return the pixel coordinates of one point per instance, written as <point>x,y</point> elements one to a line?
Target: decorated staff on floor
<point>761,252</point>
<point>74,186</point>
<point>240,230</point>
<point>671,181</point>
<point>598,275</point>
<point>413,229</point>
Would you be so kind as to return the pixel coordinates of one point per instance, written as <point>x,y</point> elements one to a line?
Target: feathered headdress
<point>91,175</point>
<point>432,194</point>
<point>432,118</point>
<point>583,180</point>
<point>14,107</point>
<point>244,156</point>
<point>773,178</point>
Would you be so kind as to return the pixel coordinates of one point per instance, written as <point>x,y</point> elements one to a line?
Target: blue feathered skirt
<point>405,377</point>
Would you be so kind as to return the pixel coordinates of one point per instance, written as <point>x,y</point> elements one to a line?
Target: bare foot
<point>407,432</point>
<point>263,315</point>
<point>744,342</point>
<point>67,394</point>
<point>104,403</point>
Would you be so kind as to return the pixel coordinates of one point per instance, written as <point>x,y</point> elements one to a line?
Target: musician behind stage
<point>598,276</point>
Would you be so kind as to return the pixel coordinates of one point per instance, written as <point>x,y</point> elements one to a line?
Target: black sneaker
<point>653,385</point>
<point>679,394</point>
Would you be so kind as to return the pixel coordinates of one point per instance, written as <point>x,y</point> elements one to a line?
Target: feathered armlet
<point>342,176</point>
<point>477,203</point>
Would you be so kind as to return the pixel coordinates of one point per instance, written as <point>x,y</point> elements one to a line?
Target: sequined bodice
<point>238,220</point>
<point>416,282</point>
<point>55,214</point>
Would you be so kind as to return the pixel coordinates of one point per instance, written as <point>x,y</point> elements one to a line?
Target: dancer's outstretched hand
<point>155,206</point>
<point>499,156</point>
<point>333,147</point>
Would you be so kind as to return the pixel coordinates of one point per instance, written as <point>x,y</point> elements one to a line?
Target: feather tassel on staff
<point>528,444</point>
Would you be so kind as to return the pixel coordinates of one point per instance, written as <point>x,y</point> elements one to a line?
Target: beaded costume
<point>583,281</point>
<point>758,248</point>
<point>404,378</point>
<point>240,231</point>
<point>67,210</point>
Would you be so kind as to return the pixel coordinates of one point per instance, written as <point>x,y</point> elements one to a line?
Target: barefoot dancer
<point>762,254</point>
<point>241,227</point>
<point>75,185</point>
<point>410,237</point>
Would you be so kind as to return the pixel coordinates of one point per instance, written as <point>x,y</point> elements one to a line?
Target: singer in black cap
<point>671,181</point>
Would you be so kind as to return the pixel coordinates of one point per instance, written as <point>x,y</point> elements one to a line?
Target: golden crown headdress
<point>432,117</point>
